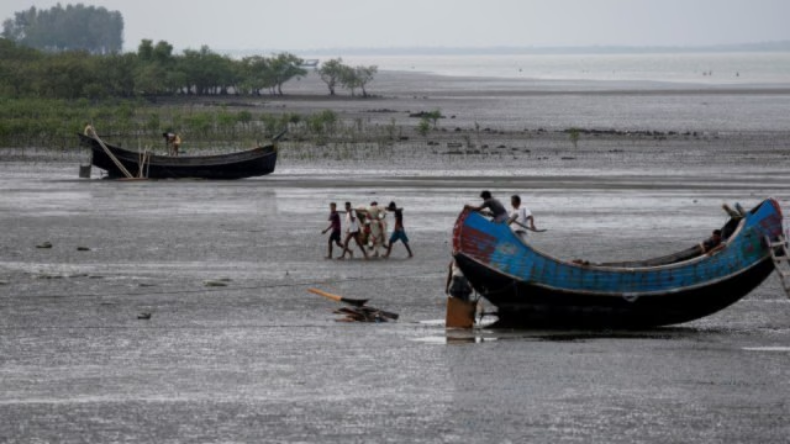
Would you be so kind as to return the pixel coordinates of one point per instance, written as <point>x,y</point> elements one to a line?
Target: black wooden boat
<point>255,162</point>
<point>533,289</point>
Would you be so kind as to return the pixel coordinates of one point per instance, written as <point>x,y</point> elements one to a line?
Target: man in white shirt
<point>352,232</point>
<point>521,218</point>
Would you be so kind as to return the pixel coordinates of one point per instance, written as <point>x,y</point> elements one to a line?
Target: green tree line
<point>153,70</point>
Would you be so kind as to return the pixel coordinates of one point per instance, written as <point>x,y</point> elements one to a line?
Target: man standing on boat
<point>334,225</point>
<point>173,142</point>
<point>491,207</point>
<point>521,218</point>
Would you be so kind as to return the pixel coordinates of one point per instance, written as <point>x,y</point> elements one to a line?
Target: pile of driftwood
<point>356,311</point>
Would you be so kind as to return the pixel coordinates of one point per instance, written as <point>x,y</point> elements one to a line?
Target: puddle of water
<point>768,349</point>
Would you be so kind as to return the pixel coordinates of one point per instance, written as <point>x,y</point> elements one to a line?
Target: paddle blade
<point>337,298</point>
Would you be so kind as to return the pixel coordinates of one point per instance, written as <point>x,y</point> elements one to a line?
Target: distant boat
<point>533,289</point>
<point>255,162</point>
<point>309,63</point>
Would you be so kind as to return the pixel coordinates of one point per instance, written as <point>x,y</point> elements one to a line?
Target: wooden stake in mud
<point>460,314</point>
<point>143,161</point>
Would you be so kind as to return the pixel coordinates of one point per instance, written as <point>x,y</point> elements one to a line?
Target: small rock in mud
<point>215,284</point>
<point>49,276</point>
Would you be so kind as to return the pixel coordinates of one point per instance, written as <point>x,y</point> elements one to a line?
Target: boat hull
<point>256,162</point>
<point>527,304</point>
<point>532,289</point>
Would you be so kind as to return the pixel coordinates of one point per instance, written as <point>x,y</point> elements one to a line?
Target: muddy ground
<point>258,359</point>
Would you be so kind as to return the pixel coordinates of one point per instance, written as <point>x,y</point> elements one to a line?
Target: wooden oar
<point>337,298</point>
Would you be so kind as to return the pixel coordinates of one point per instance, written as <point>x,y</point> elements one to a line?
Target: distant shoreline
<point>777,46</point>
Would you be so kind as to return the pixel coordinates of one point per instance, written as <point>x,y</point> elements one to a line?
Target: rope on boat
<point>92,132</point>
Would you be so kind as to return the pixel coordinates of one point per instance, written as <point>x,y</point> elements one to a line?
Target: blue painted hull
<point>533,289</point>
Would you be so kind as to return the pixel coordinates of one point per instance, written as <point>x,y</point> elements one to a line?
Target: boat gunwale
<point>608,268</point>
<point>158,159</point>
<point>656,293</point>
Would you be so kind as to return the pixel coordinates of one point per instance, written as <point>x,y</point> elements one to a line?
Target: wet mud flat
<point>236,350</point>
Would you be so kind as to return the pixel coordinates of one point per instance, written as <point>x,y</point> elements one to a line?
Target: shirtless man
<point>334,225</point>
<point>173,142</point>
<point>398,232</point>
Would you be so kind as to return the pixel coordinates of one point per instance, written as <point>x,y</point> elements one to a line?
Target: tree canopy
<point>153,70</point>
<point>334,71</point>
<point>75,27</point>
<point>331,71</point>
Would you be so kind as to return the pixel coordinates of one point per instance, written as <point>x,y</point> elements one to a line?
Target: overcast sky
<point>301,25</point>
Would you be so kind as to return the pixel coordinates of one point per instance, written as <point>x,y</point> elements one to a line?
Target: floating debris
<point>358,312</point>
<point>45,245</point>
<point>365,314</point>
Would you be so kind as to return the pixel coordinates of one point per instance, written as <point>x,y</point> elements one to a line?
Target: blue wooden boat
<point>533,289</point>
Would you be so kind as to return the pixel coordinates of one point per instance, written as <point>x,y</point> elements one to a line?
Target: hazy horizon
<point>315,26</point>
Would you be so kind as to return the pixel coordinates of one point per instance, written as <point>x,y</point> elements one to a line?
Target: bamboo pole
<point>92,132</point>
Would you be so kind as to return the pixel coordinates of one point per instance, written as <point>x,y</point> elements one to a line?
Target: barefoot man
<point>352,232</point>
<point>334,225</point>
<point>521,218</point>
<point>398,232</point>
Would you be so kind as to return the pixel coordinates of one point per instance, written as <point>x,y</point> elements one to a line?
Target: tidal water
<point>262,360</point>
<point>703,68</point>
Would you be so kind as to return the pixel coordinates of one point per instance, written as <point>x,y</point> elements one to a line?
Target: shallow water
<point>571,69</point>
<point>262,360</point>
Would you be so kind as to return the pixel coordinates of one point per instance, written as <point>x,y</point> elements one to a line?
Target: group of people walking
<point>367,227</point>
